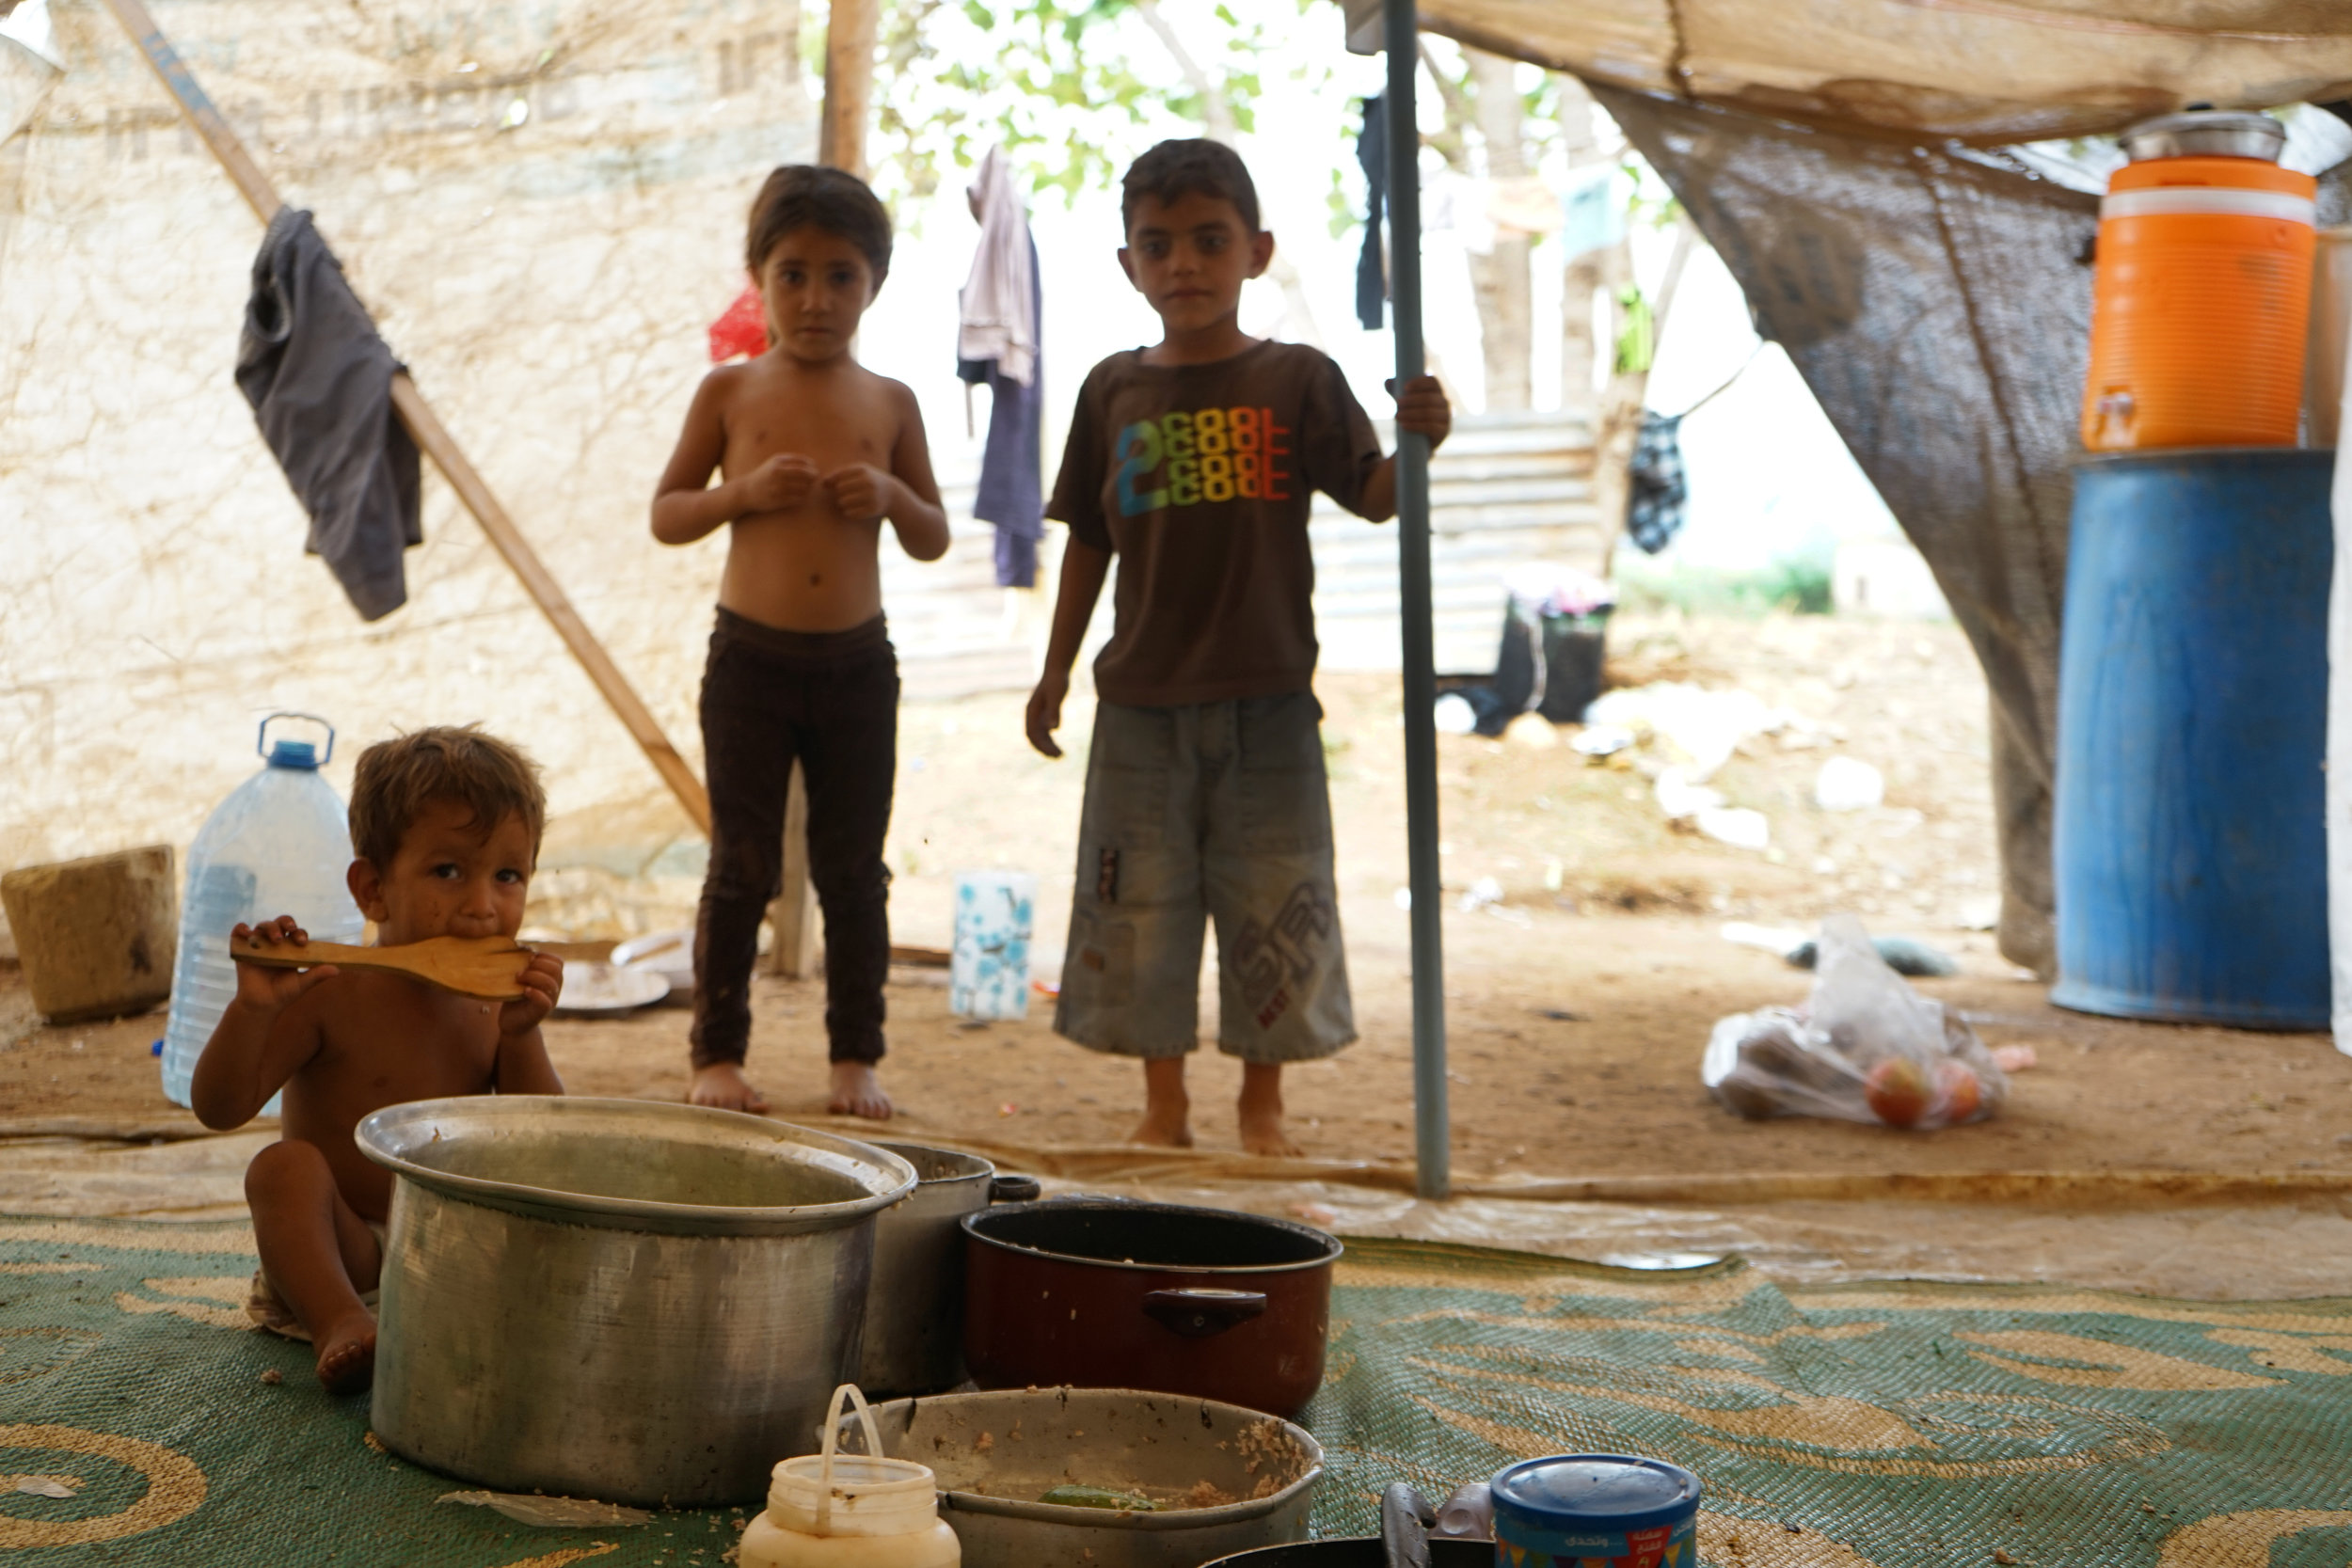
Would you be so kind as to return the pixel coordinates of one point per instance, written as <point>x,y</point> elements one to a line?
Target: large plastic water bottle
<point>280,845</point>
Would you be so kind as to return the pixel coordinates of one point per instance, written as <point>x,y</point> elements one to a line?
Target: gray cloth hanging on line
<point>319,380</point>
<point>1011,493</point>
<point>999,333</point>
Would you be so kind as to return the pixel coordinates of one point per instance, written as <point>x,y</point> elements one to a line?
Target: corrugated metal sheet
<point>1505,489</point>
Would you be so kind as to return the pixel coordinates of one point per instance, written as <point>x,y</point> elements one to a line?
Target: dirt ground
<point>1577,1008</point>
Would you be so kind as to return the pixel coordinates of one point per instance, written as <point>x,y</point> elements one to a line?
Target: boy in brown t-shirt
<point>1195,460</point>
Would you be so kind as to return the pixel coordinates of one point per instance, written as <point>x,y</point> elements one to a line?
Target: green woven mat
<point>1882,1426</point>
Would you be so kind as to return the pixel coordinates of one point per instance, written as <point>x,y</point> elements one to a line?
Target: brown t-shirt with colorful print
<point>1198,478</point>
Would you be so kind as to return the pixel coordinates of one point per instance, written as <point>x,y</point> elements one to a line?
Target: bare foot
<point>1261,1112</point>
<point>1167,1108</point>
<point>856,1092</point>
<point>722,1086</point>
<point>347,1354</point>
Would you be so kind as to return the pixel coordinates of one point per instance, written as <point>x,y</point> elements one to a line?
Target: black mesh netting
<point>1940,309</point>
<point>1854,1426</point>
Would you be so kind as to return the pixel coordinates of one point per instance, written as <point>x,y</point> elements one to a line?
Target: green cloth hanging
<point>1637,339</point>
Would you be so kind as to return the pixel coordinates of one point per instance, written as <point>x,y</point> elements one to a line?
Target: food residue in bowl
<point>1267,1446</point>
<point>1100,1497</point>
<point>1207,1493</point>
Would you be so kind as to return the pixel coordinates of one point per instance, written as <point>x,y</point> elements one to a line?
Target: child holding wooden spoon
<point>445,825</point>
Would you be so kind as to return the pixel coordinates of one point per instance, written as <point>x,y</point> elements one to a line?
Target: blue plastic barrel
<point>2190,840</point>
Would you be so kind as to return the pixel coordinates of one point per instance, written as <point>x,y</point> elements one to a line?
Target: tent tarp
<point>1987,71</point>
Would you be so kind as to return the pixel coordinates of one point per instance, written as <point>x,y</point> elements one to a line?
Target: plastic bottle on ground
<point>831,1510</point>
<point>280,844</point>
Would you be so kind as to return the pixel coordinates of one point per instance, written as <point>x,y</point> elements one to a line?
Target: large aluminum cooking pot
<point>619,1299</point>
<point>1106,1293</point>
<point>915,1313</point>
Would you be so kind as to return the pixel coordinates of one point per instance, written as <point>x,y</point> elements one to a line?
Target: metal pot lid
<point>635,1165</point>
<point>1153,1238</point>
<point>2206,133</point>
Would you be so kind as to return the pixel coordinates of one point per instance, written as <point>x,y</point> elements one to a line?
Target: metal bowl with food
<point>1358,1552</point>
<point>1142,1479</point>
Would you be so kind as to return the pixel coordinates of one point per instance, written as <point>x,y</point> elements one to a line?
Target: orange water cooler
<point>2203,289</point>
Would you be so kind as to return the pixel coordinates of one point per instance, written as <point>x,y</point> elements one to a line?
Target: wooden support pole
<point>792,915</point>
<point>849,33</point>
<point>840,144</point>
<point>436,440</point>
<point>431,436</point>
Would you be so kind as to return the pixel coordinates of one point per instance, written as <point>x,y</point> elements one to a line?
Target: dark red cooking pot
<point>1101,1292</point>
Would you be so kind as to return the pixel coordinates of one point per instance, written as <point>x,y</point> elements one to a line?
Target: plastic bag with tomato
<point>1866,1047</point>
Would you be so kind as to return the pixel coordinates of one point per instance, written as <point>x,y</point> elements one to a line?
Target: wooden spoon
<point>471,966</point>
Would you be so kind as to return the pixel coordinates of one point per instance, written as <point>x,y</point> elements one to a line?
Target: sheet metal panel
<point>1505,489</point>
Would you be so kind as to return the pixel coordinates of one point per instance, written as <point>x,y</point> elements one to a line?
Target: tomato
<point>1959,1092</point>
<point>1898,1091</point>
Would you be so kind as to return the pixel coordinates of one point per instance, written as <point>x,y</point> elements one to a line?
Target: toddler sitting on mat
<point>445,825</point>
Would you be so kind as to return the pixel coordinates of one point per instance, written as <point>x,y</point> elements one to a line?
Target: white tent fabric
<point>25,79</point>
<point>544,208</point>
<point>1983,71</point>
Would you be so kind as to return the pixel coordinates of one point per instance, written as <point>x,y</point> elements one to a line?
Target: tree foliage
<point>1072,91</point>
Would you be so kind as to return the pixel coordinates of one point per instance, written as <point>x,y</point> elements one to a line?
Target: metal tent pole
<point>1432,1139</point>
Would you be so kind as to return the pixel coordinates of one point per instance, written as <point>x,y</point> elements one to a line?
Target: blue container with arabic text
<point>1595,1511</point>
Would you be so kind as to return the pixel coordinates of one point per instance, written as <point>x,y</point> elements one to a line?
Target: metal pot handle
<point>1013,1189</point>
<point>1404,1520</point>
<point>1202,1312</point>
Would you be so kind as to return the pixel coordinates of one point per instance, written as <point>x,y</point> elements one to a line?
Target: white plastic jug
<point>280,845</point>
<point>989,968</point>
<point>850,1511</point>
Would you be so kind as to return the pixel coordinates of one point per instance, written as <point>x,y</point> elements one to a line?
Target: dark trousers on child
<point>830,700</point>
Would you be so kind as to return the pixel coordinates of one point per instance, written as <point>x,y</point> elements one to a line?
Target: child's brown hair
<point>807,196</point>
<point>1193,166</point>
<point>398,778</point>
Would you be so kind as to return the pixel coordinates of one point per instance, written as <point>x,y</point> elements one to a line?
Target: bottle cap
<point>2206,133</point>
<point>294,754</point>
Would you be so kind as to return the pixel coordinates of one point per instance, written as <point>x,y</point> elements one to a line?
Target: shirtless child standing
<point>814,453</point>
<point>445,823</point>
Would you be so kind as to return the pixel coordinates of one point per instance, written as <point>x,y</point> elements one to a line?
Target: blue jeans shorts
<point>1215,811</point>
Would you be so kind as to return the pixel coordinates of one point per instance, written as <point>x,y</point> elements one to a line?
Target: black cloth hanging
<point>320,379</point>
<point>1660,491</point>
<point>1371,273</point>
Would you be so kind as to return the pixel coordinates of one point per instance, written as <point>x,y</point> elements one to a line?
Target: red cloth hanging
<point>741,329</point>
